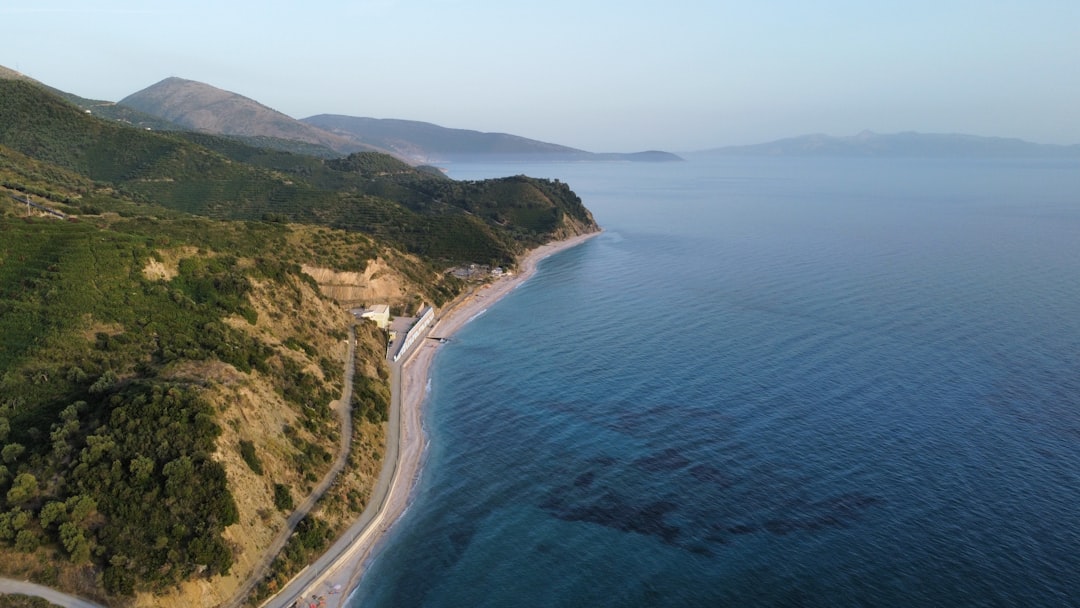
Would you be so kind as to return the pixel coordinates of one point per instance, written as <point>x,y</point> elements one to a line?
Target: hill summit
<point>201,107</point>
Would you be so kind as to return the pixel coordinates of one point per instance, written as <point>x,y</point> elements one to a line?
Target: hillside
<point>226,179</point>
<point>201,107</point>
<point>427,142</point>
<point>910,144</point>
<point>169,359</point>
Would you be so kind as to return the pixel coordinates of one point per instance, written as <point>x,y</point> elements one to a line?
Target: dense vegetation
<point>101,454</point>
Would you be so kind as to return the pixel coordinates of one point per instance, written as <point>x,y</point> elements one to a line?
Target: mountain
<point>907,144</point>
<point>202,107</point>
<point>197,106</point>
<point>428,142</point>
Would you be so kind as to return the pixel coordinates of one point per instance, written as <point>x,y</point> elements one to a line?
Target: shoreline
<point>406,443</point>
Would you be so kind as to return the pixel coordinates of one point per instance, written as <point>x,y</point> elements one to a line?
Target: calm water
<point>768,383</point>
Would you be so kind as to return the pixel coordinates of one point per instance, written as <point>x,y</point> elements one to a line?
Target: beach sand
<point>341,569</point>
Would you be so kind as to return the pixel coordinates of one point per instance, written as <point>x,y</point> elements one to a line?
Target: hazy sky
<point>602,75</point>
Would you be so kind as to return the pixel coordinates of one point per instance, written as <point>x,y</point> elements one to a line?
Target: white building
<point>380,313</point>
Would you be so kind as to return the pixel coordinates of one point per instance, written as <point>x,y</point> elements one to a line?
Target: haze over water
<point>770,382</point>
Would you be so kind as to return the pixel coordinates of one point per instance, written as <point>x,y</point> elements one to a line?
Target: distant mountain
<point>202,107</point>
<point>427,142</point>
<point>908,144</point>
<point>196,106</point>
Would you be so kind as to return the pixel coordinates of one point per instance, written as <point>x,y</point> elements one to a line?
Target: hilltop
<point>200,107</point>
<point>898,145</point>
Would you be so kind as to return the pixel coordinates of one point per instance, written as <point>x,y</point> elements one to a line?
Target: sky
<point>600,75</point>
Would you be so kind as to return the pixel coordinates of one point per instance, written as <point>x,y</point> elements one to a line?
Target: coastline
<point>348,559</point>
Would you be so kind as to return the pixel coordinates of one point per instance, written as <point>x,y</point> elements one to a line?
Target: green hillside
<point>227,179</point>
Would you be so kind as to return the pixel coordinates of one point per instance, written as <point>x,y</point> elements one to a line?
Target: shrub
<point>283,497</point>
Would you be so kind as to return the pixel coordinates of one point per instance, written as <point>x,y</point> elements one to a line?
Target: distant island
<point>899,145</point>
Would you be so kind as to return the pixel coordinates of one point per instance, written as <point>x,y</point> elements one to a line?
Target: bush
<point>247,452</point>
<point>283,497</point>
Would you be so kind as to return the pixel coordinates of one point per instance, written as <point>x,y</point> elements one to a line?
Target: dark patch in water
<point>700,549</point>
<point>706,473</point>
<point>614,512</point>
<point>460,538</point>
<point>584,480</point>
<point>742,529</point>
<point>668,460</point>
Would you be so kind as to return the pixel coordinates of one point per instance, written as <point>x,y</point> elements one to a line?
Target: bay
<point>770,382</point>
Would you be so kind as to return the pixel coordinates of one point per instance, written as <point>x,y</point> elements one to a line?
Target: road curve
<point>12,586</point>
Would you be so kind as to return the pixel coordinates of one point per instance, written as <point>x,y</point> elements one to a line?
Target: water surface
<point>770,382</point>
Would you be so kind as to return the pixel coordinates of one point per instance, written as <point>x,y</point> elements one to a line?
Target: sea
<point>769,382</point>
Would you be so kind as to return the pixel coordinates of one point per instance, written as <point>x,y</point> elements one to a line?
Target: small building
<point>380,313</point>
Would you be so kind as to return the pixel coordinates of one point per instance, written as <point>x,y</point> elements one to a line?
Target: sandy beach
<point>339,571</point>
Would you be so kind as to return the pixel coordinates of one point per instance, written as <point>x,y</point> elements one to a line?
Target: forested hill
<point>222,178</point>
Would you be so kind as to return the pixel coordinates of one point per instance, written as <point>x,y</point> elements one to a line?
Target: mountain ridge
<point>434,143</point>
<point>198,106</point>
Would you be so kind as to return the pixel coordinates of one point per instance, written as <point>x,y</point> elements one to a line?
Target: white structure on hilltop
<point>380,313</point>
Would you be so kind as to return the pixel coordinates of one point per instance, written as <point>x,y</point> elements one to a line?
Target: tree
<point>71,536</point>
<point>27,541</point>
<point>11,452</point>
<point>23,489</point>
<point>53,512</point>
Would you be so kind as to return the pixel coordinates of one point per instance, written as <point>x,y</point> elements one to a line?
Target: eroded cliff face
<point>377,284</point>
<point>573,226</point>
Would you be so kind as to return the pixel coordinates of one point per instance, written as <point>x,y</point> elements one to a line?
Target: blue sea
<point>769,382</point>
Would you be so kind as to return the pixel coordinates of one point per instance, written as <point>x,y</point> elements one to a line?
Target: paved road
<point>8,586</point>
<point>302,584</point>
<point>344,445</point>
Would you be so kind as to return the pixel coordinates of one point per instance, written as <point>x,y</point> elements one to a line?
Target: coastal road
<point>11,586</point>
<point>310,580</point>
<point>344,445</point>
<point>339,567</point>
